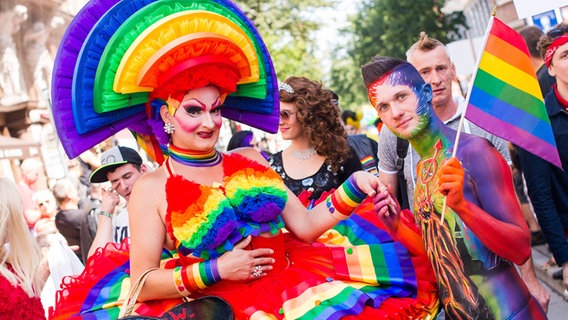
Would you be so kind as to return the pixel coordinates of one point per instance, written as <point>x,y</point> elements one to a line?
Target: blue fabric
<point>548,185</point>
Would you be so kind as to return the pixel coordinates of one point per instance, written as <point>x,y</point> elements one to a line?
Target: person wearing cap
<point>121,166</point>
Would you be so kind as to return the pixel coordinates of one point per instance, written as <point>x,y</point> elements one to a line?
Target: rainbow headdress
<point>115,54</point>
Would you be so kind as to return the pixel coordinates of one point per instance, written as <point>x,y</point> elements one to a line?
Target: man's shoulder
<point>356,139</point>
<point>387,139</point>
<point>387,151</point>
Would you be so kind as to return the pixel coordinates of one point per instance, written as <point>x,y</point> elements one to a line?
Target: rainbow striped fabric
<point>506,99</point>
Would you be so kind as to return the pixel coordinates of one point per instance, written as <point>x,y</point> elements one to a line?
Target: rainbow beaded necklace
<point>195,158</point>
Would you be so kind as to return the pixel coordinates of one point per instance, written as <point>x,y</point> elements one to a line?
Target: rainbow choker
<point>195,158</point>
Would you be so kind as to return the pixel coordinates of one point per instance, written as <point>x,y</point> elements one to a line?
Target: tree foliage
<point>288,29</point>
<point>389,28</point>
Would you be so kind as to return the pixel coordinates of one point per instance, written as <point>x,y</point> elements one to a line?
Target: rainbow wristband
<point>345,199</point>
<point>200,275</point>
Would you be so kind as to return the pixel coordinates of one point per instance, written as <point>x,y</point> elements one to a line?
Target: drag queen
<point>225,225</point>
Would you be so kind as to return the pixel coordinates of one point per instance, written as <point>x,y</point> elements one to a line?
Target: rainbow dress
<point>356,272</point>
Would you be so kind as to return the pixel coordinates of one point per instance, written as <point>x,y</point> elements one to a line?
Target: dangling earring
<point>169,128</point>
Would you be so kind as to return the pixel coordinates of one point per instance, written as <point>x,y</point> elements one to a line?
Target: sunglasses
<point>285,114</point>
<point>557,32</point>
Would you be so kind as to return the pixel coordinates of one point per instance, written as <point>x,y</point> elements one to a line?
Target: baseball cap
<point>112,159</point>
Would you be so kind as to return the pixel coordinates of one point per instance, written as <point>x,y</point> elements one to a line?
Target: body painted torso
<point>447,249</point>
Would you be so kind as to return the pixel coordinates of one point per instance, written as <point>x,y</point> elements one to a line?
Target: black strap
<point>401,151</point>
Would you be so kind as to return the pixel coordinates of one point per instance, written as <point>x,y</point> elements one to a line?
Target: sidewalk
<point>540,256</point>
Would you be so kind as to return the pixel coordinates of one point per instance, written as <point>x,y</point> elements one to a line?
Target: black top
<point>547,184</point>
<point>323,180</point>
<point>68,222</point>
<point>366,149</point>
<point>545,80</point>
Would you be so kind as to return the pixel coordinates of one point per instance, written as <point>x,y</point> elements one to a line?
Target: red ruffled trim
<point>235,162</point>
<point>76,289</point>
<point>16,304</point>
<point>179,194</point>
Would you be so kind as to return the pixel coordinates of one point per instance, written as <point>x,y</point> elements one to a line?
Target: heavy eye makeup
<point>217,110</point>
<point>193,110</point>
<point>196,110</point>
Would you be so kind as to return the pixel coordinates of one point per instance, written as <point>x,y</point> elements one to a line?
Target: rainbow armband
<point>345,199</point>
<point>196,277</point>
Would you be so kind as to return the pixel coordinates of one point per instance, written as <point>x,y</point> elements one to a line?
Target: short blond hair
<point>425,43</point>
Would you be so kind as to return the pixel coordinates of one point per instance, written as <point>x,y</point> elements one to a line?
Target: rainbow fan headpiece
<point>116,57</point>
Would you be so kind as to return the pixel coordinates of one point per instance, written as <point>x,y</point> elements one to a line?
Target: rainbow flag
<point>506,99</point>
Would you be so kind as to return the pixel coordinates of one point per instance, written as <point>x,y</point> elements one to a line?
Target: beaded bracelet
<point>196,276</point>
<point>345,199</point>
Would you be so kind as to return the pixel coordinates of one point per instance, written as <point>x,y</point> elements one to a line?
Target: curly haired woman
<point>319,158</point>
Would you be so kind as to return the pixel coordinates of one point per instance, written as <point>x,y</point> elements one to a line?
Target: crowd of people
<point>314,230</point>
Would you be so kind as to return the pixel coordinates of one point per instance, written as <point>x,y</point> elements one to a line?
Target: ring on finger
<point>257,271</point>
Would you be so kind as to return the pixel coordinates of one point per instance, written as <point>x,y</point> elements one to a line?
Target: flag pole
<point>468,96</point>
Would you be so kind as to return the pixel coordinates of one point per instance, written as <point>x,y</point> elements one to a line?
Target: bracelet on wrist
<point>345,199</point>
<point>104,213</point>
<point>196,277</point>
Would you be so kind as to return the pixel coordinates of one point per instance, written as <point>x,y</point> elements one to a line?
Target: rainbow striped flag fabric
<point>505,98</point>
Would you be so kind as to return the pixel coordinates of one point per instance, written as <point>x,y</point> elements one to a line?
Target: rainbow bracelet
<point>196,277</point>
<point>345,199</point>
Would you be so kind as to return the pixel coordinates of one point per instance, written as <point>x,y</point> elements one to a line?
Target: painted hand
<point>451,182</point>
